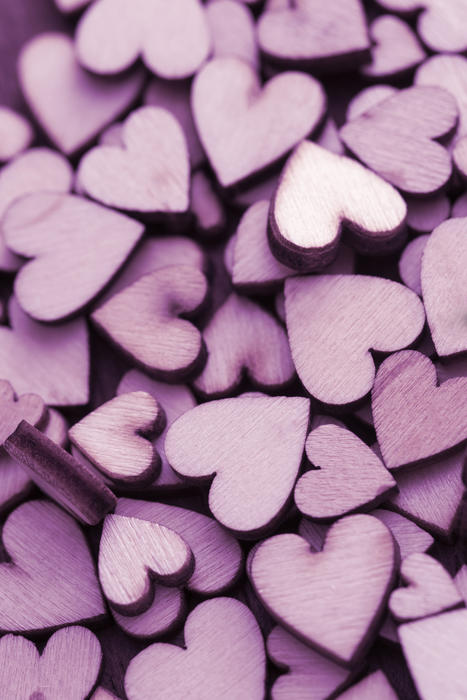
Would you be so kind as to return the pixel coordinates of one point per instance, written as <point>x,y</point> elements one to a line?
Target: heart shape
<point>16,133</point>
<point>71,105</point>
<point>334,599</point>
<point>314,201</point>
<point>230,109</point>
<point>50,580</point>
<point>13,410</point>
<point>143,320</point>
<point>172,39</point>
<point>224,658</point>
<point>395,51</point>
<point>113,437</point>
<point>350,476</point>
<point>132,552</point>
<point>67,668</point>
<point>334,320</point>
<point>397,138</point>
<point>149,174</point>
<point>254,464</point>
<point>59,231</point>
<point>444,280</point>
<point>415,419</point>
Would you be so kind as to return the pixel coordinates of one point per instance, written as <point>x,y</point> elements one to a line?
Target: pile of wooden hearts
<point>233,353</point>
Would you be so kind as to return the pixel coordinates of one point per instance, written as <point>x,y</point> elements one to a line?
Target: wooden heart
<point>67,668</point>
<point>395,51</point>
<point>397,138</point>
<point>50,579</point>
<point>13,410</point>
<point>410,264</point>
<point>316,36</point>
<point>410,537</point>
<point>149,174</point>
<point>143,320</point>
<point>349,476</point>
<point>333,600</point>
<point>415,419</point>
<point>164,615</point>
<point>430,590</point>
<point>172,39</point>
<point>367,98</point>
<point>314,201</point>
<point>115,437</point>
<point>334,320</point>
<point>242,339</point>
<point>71,105</point>
<point>16,133</point>
<point>252,447</point>
<point>233,31</point>
<point>449,72</point>
<point>376,685</point>
<point>223,658</point>
<point>444,280</point>
<point>231,108</point>
<point>132,553</point>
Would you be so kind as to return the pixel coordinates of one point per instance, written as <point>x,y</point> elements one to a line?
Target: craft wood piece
<point>367,98</point>
<point>233,112</point>
<point>64,234</point>
<point>423,215</point>
<point>415,419</point>
<point>161,618</point>
<point>319,37</point>
<point>16,133</point>
<point>206,205</point>
<point>59,475</point>
<point>252,446</point>
<point>233,33</point>
<point>410,264</point>
<point>349,476</point>
<point>444,282</point>
<point>308,593</point>
<point>67,668</point>
<point>376,685</point>
<point>143,320</point>
<point>133,553</point>
<point>115,437</point>
<point>397,138</point>
<point>410,537</point>
<point>396,50</point>
<point>172,40</point>
<point>448,72</point>
<point>14,409</point>
<point>71,105</point>
<point>308,674</point>
<point>334,320</point>
<point>429,589</point>
<point>434,650</point>
<point>223,658</point>
<point>242,339</point>
<point>149,174</point>
<point>314,201</point>
<point>49,580</point>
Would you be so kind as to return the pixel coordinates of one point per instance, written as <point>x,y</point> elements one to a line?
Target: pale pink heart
<point>395,51</point>
<point>16,133</point>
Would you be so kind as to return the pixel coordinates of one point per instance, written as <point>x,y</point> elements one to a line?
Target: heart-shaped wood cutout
<point>367,98</point>
<point>415,419</point>
<point>233,31</point>
<point>163,616</point>
<point>410,264</point>
<point>149,174</point>
<point>132,552</point>
<point>172,39</point>
<point>16,133</point>
<point>376,685</point>
<point>223,658</point>
<point>71,105</point>
<point>397,138</point>
<point>333,600</point>
<point>67,668</point>
<point>444,281</point>
<point>395,51</point>
<point>13,410</point>
<point>430,590</point>
<point>231,108</point>
<point>349,476</point>
<point>410,537</point>
<point>333,321</point>
<point>115,437</point>
<point>316,36</point>
<point>447,71</point>
<point>252,447</point>
<point>50,579</point>
<point>143,320</point>
<point>60,232</point>
<point>304,232</point>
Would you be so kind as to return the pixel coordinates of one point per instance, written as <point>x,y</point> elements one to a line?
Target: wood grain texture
<point>333,600</point>
<point>376,685</point>
<point>410,537</point>
<point>143,320</point>
<point>50,579</point>
<point>223,658</point>
<point>415,419</point>
<point>163,616</point>
<point>396,50</point>
<point>252,447</point>
<point>59,475</point>
<point>71,105</point>
<point>315,199</point>
<point>68,666</point>
<point>449,72</point>
<point>410,264</point>
<point>233,33</point>
<point>132,554</point>
<point>334,320</point>
<point>245,128</point>
<point>16,133</point>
